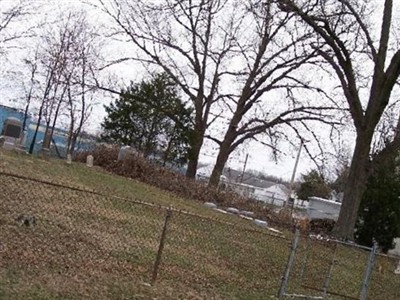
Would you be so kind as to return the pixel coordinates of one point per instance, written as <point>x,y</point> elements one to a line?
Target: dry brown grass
<point>92,246</point>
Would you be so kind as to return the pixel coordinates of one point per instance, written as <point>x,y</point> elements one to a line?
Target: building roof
<point>248,179</point>
<point>234,176</point>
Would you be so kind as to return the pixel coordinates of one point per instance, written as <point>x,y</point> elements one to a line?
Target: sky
<point>259,156</point>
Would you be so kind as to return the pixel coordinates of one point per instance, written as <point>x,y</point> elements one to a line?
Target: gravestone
<point>397,271</point>
<point>261,223</point>
<point>69,159</point>
<point>210,205</point>
<point>396,249</point>
<point>232,210</point>
<point>12,133</point>
<point>89,161</point>
<point>247,213</point>
<point>9,143</point>
<point>45,153</point>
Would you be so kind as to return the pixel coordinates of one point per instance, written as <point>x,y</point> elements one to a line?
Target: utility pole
<point>294,173</point>
<point>244,168</point>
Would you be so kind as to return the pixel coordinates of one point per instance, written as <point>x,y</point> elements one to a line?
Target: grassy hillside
<point>98,240</point>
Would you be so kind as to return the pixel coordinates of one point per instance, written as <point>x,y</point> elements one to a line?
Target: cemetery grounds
<point>98,236</point>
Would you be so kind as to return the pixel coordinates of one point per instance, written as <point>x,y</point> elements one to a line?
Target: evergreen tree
<point>151,117</point>
<point>313,184</point>
<point>379,215</point>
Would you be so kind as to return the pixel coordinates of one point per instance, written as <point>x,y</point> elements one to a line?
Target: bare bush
<point>139,168</point>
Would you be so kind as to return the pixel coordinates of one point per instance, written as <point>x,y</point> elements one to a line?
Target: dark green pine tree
<point>379,214</point>
<point>151,117</point>
<point>313,184</point>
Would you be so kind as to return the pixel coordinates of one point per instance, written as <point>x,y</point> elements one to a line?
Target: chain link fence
<point>63,242</point>
<point>329,269</point>
<point>68,242</point>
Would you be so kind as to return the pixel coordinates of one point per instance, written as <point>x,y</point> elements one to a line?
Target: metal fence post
<point>329,275</point>
<point>368,271</point>
<point>285,277</point>
<point>160,248</point>
<point>305,261</point>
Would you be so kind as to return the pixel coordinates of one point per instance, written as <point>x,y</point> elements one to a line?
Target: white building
<point>320,208</point>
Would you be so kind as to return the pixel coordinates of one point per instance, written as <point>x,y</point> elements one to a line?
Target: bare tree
<point>367,69</point>
<point>80,102</point>
<point>191,41</point>
<point>272,60</point>
<point>46,103</point>
<point>10,14</point>
<point>218,52</point>
<point>16,23</point>
<point>68,59</point>
<point>32,64</point>
<point>54,48</point>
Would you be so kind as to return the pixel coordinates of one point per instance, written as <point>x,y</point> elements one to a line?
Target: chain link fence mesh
<point>68,242</point>
<point>384,284</point>
<point>237,261</point>
<point>82,242</point>
<point>328,269</point>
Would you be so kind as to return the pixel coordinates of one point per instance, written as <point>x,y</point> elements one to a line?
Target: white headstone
<point>69,159</point>
<point>247,213</point>
<point>261,223</point>
<point>232,210</point>
<point>89,161</point>
<point>397,271</point>
<point>210,205</point>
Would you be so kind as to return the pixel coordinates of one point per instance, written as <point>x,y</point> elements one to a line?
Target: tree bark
<point>194,152</point>
<point>222,158</point>
<point>354,189</point>
<point>339,55</point>
<point>32,146</point>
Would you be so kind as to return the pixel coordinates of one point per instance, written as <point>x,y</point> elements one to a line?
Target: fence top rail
<point>333,240</point>
<point>139,202</point>
<point>344,243</point>
<point>387,255</point>
<point>75,188</point>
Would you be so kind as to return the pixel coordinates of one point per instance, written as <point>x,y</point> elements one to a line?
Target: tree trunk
<point>222,158</point>
<point>354,189</point>
<point>69,140</point>
<point>73,142</point>
<point>32,146</point>
<point>169,147</point>
<point>226,146</point>
<point>194,153</point>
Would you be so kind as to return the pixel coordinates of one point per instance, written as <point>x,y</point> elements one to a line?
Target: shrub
<point>138,168</point>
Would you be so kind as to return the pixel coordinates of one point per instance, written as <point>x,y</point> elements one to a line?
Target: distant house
<point>204,172</point>
<point>242,189</point>
<point>249,186</point>
<point>279,191</point>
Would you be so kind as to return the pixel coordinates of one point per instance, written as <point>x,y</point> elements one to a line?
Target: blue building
<point>10,112</point>
<point>59,138</point>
